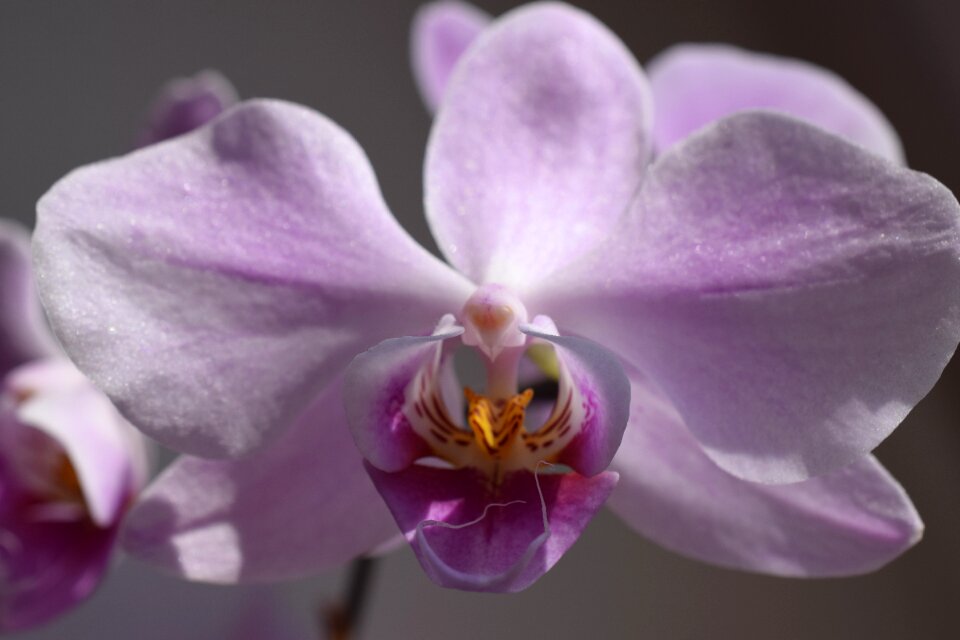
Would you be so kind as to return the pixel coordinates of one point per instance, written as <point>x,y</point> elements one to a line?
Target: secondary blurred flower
<point>692,85</point>
<point>69,465</point>
<point>184,104</point>
<point>778,297</point>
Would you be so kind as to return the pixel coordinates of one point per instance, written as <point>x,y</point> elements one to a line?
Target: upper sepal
<point>539,145</point>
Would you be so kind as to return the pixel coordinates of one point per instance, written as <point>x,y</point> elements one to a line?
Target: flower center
<point>491,432</point>
<point>39,461</point>
<point>496,423</point>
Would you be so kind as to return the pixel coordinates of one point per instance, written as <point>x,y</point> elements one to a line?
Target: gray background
<point>75,78</point>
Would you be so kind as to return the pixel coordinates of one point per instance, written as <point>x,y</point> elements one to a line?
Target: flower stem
<point>342,619</point>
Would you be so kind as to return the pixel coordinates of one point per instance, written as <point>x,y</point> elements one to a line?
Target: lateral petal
<point>794,295</point>
<point>213,284</point>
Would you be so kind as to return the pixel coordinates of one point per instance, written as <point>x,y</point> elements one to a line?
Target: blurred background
<point>75,80</point>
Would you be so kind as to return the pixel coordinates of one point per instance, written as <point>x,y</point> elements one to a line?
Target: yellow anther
<point>495,423</point>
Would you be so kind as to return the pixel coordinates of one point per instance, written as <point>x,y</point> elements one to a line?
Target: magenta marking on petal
<point>378,389</point>
<point>597,385</point>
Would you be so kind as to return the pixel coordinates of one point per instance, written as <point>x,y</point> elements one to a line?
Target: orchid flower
<point>771,301</point>
<point>70,465</point>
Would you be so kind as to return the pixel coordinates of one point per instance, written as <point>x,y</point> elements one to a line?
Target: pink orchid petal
<point>23,332</point>
<point>185,104</point>
<point>849,521</point>
<point>538,147</point>
<point>695,84</point>
<point>794,295</point>
<point>604,391</point>
<point>440,34</point>
<point>299,506</point>
<point>466,537</point>
<point>107,455</point>
<point>214,283</point>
